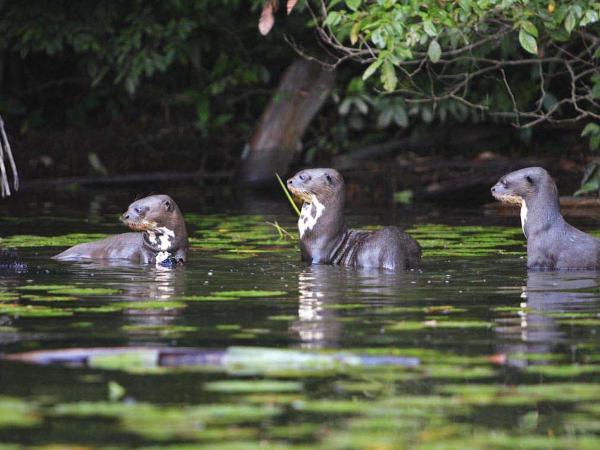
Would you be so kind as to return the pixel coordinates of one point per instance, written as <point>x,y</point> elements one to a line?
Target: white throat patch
<point>310,214</point>
<point>162,237</point>
<point>523,216</point>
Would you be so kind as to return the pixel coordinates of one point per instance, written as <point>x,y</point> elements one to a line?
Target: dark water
<point>506,359</point>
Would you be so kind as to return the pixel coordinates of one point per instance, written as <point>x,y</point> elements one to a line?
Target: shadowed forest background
<point>433,97</point>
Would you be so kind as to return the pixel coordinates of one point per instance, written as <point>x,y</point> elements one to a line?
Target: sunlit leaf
<point>530,28</point>
<point>528,42</point>
<point>372,68</point>
<point>353,4</point>
<point>435,51</point>
<point>570,21</point>
<point>388,76</point>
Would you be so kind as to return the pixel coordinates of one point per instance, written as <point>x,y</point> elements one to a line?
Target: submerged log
<point>234,360</point>
<point>301,92</point>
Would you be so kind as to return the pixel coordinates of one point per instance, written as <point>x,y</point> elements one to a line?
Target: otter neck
<point>540,211</point>
<point>321,226</point>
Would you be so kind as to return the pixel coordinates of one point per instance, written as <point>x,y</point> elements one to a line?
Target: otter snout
<point>132,215</point>
<point>494,190</point>
<point>298,180</point>
<point>135,217</point>
<point>499,191</point>
<point>129,217</point>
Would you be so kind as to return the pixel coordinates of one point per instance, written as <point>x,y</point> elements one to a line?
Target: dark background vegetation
<point>120,87</point>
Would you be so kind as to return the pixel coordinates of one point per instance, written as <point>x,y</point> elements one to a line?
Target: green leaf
<point>596,90</point>
<point>354,33</point>
<point>361,105</point>
<point>429,28</point>
<point>591,186</point>
<point>595,142</point>
<point>385,118</point>
<point>287,194</point>
<point>528,42</point>
<point>404,197</point>
<point>388,76</point>
<point>400,116</point>
<point>434,51</point>
<point>570,21</point>
<point>353,4</point>
<point>549,101</point>
<point>372,68</point>
<point>591,129</point>
<point>115,391</point>
<point>333,18</point>
<point>530,28</point>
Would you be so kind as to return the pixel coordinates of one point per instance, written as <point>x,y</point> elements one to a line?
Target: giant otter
<point>160,237</point>
<point>552,244</point>
<point>325,239</point>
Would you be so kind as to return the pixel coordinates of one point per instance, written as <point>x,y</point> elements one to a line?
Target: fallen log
<point>302,91</point>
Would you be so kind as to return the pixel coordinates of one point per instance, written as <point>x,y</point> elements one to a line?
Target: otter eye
<point>328,177</point>
<point>302,177</point>
<point>529,179</point>
<point>504,183</point>
<point>168,205</point>
<point>138,210</point>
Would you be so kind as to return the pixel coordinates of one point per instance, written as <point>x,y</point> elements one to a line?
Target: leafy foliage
<point>71,62</point>
<point>523,61</point>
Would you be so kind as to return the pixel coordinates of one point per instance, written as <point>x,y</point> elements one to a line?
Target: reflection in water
<point>323,290</point>
<point>546,295</point>
<point>135,280</point>
<point>138,283</point>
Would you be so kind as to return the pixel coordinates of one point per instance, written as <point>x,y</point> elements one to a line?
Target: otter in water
<point>325,239</point>
<point>552,244</point>
<point>160,236</point>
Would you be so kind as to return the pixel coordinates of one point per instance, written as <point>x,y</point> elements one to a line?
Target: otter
<point>159,237</point>
<point>552,244</point>
<point>325,239</point>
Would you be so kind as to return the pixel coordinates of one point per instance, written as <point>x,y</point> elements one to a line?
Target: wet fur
<point>552,244</point>
<point>160,234</point>
<point>329,241</point>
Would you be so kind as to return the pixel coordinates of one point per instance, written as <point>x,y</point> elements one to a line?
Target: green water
<point>506,359</point>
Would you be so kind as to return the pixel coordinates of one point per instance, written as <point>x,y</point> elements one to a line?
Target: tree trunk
<point>301,92</point>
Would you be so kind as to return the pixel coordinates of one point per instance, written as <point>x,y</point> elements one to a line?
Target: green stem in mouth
<point>287,194</point>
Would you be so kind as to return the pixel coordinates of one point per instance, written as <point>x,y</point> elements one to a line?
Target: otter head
<point>163,226</point>
<point>531,188</point>
<point>320,184</point>
<point>524,186</point>
<point>151,213</point>
<point>322,191</point>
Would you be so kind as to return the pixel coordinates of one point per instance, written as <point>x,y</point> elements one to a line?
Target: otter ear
<point>529,179</point>
<point>168,205</point>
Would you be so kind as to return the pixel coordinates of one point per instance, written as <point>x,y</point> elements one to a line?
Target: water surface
<point>504,358</point>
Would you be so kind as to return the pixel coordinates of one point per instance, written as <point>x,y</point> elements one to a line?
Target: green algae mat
<point>247,348</point>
